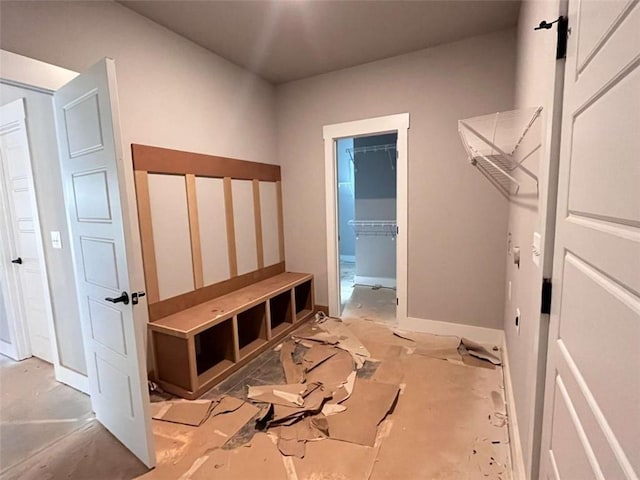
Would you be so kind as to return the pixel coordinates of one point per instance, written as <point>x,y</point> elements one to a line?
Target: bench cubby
<point>252,329</point>
<point>198,347</point>
<point>214,347</point>
<point>281,313</point>
<point>303,294</point>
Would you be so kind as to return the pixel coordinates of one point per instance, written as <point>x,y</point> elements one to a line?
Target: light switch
<point>56,241</point>
<point>536,249</point>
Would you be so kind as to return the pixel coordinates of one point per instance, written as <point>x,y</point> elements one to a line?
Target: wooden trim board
<point>177,162</point>
<point>231,229</point>
<point>173,305</point>
<point>194,230</point>
<point>191,349</point>
<point>146,236</point>
<point>280,219</point>
<point>191,321</point>
<point>257,214</point>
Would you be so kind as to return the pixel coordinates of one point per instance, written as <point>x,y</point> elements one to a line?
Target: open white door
<point>592,398</point>
<point>98,189</point>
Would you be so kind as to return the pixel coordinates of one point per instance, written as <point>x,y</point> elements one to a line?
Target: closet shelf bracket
<point>389,148</point>
<point>494,144</point>
<point>375,228</point>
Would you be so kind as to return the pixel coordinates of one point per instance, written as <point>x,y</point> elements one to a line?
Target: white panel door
<point>98,188</point>
<point>592,398</point>
<point>23,255</point>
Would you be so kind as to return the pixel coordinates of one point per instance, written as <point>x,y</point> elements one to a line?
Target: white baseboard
<point>348,258</point>
<point>372,281</point>
<point>515,444</point>
<point>73,379</point>
<point>485,335</point>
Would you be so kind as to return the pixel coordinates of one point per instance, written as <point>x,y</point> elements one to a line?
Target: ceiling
<point>292,39</point>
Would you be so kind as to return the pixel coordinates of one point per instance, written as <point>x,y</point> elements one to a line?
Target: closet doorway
<point>367,226</point>
<point>366,183</point>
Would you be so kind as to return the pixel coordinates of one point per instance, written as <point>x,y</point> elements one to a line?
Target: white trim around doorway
<point>35,75</point>
<point>372,126</point>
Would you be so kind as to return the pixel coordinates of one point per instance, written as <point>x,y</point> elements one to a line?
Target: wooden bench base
<point>197,348</point>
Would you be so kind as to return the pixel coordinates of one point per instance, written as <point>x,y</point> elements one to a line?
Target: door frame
<point>359,128</point>
<point>19,325</point>
<point>31,74</point>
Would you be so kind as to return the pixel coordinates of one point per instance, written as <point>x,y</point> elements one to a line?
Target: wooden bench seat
<point>196,348</point>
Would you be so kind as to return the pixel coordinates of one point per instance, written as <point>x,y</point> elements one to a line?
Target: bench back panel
<point>208,225</point>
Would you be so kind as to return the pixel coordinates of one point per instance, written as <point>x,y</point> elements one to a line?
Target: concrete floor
<point>35,410</point>
<point>440,427</point>
<point>347,281</point>
<point>367,303</point>
<point>40,418</point>
<point>364,302</point>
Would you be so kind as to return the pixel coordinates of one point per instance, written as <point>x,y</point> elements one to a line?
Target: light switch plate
<point>56,241</point>
<point>536,249</point>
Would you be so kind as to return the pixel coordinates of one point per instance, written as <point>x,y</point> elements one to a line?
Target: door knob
<point>123,298</point>
<point>17,260</point>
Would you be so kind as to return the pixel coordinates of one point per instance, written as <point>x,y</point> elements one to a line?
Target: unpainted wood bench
<point>198,347</point>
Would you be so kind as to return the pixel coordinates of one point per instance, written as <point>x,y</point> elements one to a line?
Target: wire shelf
<point>374,148</point>
<point>491,142</point>
<point>374,228</point>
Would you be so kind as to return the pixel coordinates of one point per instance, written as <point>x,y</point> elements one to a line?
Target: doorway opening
<point>366,210</point>
<point>367,190</point>
<point>36,410</point>
<point>86,220</point>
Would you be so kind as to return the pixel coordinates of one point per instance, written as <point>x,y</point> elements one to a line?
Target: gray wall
<point>178,95</point>
<point>457,221</point>
<point>346,198</point>
<point>51,209</point>
<point>376,175</point>
<point>529,213</point>
<point>172,92</point>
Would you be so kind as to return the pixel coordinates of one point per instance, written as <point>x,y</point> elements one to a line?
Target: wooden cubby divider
<point>198,347</point>
<point>304,302</point>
